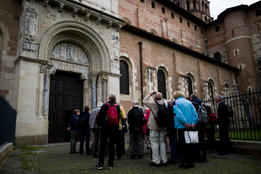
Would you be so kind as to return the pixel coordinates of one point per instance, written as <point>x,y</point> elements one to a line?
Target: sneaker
<point>99,167</point>
<point>110,167</point>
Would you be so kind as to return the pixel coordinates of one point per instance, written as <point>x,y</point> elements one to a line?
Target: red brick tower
<point>199,8</point>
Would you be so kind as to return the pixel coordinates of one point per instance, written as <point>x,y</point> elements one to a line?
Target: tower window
<point>188,24</point>
<point>180,19</point>
<point>153,5</point>
<point>258,13</point>
<point>172,15</point>
<point>195,28</point>
<point>163,10</point>
<point>194,4</point>
<point>217,29</point>
<point>188,8</point>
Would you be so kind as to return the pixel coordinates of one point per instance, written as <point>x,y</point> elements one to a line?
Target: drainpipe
<point>141,72</point>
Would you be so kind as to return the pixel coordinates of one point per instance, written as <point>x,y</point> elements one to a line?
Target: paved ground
<point>55,159</point>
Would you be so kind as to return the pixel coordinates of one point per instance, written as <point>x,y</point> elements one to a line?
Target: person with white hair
<point>95,129</point>
<point>186,118</point>
<point>157,133</point>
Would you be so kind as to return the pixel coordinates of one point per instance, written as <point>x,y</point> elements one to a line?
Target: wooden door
<point>66,94</point>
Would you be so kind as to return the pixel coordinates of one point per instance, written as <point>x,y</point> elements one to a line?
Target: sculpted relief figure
<point>69,52</point>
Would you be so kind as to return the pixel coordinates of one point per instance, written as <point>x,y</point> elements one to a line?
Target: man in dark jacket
<point>74,129</point>
<point>223,122</point>
<point>108,132</point>
<point>136,121</point>
<point>84,130</point>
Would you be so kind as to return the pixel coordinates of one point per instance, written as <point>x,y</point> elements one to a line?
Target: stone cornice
<point>29,59</point>
<point>85,11</point>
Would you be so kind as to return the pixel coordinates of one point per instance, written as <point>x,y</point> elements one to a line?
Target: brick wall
<point>9,29</point>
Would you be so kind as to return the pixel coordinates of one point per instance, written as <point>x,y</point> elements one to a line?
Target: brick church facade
<point>58,55</point>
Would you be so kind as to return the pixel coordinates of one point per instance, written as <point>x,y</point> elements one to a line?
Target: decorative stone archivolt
<point>69,52</point>
<point>74,32</point>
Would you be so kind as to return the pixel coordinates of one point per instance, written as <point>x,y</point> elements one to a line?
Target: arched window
<point>217,56</point>
<point>124,79</point>
<point>162,83</point>
<point>211,89</point>
<point>217,29</point>
<point>153,4</point>
<point>190,83</point>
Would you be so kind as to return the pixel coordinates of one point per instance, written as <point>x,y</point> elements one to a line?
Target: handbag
<point>191,137</point>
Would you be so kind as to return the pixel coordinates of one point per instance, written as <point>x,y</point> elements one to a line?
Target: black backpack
<point>162,115</point>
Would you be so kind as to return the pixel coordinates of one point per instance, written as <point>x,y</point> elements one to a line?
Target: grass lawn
<point>250,135</point>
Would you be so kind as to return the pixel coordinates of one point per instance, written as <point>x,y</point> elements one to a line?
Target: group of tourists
<point>178,127</point>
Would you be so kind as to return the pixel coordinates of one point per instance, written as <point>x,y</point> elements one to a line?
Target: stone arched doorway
<point>77,57</point>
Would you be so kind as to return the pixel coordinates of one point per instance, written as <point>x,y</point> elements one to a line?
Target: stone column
<point>104,79</point>
<point>46,90</point>
<point>93,91</point>
<point>86,95</point>
<point>99,90</point>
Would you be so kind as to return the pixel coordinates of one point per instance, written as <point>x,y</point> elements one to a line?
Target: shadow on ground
<point>55,159</point>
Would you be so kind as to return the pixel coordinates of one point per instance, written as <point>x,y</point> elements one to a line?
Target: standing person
<point>145,131</point>
<point>186,118</point>
<point>84,130</point>
<point>157,134</point>
<point>136,121</point>
<point>108,119</point>
<point>74,130</point>
<point>120,142</point>
<point>201,151</point>
<point>224,112</point>
<point>210,129</point>
<point>95,129</point>
<point>172,132</point>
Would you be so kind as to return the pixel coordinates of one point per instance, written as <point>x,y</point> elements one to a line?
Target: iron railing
<point>246,120</point>
<point>7,122</point>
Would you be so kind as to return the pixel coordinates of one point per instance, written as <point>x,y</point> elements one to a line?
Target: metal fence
<point>7,122</point>
<point>246,120</point>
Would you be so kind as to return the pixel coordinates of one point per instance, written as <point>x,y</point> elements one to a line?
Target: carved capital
<point>84,76</point>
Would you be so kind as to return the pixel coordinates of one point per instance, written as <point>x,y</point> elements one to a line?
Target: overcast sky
<point>218,6</point>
